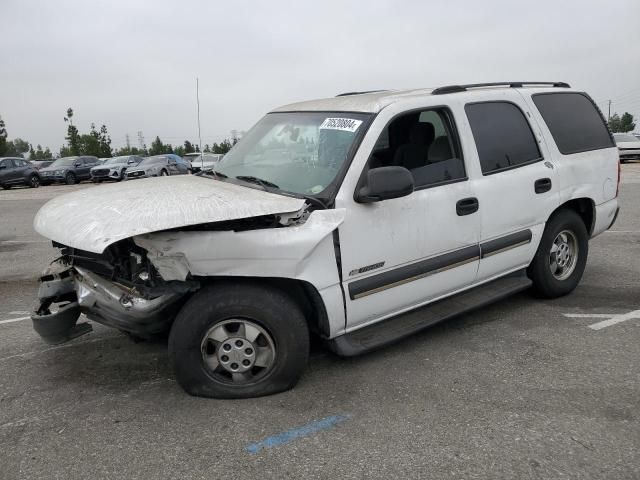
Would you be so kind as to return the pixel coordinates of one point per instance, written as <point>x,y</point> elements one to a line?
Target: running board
<point>401,326</point>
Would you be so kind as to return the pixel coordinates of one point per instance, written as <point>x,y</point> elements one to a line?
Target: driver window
<point>425,143</point>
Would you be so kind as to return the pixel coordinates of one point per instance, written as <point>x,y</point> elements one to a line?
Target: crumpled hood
<point>93,218</point>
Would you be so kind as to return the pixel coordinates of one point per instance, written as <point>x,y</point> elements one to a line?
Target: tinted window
<point>503,136</point>
<point>7,163</point>
<point>20,163</point>
<point>574,122</point>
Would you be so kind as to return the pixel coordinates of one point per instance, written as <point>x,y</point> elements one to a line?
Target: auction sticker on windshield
<point>344,124</point>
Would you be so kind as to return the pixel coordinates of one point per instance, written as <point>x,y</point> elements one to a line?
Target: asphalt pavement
<point>525,388</point>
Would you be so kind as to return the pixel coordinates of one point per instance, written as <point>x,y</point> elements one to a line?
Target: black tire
<point>6,187</point>
<point>70,179</point>
<point>164,173</point>
<point>545,283</point>
<point>269,308</point>
<point>34,181</point>
<point>121,177</point>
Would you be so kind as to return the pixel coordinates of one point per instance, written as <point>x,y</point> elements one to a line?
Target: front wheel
<point>238,341</point>
<point>561,258</point>
<point>164,173</point>
<point>6,187</point>
<point>70,179</point>
<point>34,181</point>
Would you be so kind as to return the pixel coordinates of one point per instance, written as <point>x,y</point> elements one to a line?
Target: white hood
<point>93,218</point>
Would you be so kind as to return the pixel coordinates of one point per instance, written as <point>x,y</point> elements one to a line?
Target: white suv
<point>338,217</point>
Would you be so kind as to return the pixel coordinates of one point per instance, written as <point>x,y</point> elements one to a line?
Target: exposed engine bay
<point>119,288</point>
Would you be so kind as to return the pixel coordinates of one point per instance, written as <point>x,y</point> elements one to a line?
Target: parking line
<point>290,435</point>
<point>11,320</point>
<point>616,319</point>
<point>589,315</point>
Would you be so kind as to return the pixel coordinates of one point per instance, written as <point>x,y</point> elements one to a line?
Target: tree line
<point>97,142</point>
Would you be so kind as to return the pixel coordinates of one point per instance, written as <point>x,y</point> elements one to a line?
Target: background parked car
<point>203,161</point>
<point>17,171</point>
<point>69,170</point>
<point>114,168</point>
<point>40,164</point>
<point>628,146</point>
<point>158,166</point>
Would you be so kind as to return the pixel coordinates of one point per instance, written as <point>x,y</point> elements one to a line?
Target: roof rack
<point>464,88</point>
<point>359,93</point>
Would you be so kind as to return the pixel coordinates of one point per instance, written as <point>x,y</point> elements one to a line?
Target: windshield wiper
<point>267,184</point>
<point>263,183</point>
<point>208,171</point>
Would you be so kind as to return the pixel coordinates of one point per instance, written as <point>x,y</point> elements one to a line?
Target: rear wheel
<point>34,181</point>
<point>239,341</point>
<point>561,258</point>
<point>70,179</point>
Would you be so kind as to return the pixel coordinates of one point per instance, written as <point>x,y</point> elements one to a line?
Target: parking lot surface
<point>525,388</point>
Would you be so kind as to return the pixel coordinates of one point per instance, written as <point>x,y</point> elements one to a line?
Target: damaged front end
<point>119,288</point>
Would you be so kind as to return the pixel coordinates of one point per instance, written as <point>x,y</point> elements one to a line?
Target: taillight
<point>619,173</point>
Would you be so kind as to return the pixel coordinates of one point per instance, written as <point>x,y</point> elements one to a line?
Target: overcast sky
<point>132,65</point>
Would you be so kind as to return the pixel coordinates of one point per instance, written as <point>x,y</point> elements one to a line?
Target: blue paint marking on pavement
<point>291,435</point>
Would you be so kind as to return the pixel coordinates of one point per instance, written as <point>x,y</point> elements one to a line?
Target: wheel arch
<point>305,294</point>
<point>585,207</point>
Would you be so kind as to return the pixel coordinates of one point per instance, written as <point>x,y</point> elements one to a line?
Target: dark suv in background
<point>17,171</point>
<point>69,170</point>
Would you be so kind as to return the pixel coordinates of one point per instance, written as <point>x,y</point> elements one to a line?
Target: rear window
<point>503,136</point>
<point>574,122</point>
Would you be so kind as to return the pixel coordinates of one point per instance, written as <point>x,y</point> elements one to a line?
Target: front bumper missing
<point>76,290</point>
<point>59,326</point>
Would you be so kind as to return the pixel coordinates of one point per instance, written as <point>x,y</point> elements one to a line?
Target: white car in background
<point>203,161</point>
<point>628,146</point>
<point>114,168</point>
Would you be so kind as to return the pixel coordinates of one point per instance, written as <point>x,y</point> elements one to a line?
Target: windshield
<point>625,138</point>
<point>300,152</point>
<point>64,162</point>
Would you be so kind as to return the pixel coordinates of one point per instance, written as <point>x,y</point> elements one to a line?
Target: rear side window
<point>574,122</point>
<point>503,136</point>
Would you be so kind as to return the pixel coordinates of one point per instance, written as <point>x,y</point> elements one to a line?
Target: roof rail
<point>359,93</point>
<point>464,88</point>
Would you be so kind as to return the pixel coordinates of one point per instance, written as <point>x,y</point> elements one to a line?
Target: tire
<point>70,179</point>
<point>559,263</point>
<point>282,341</point>
<point>34,181</point>
<point>6,187</point>
<point>121,177</point>
<point>164,173</point>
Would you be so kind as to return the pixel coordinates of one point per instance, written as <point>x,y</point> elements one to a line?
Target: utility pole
<point>140,140</point>
<point>128,142</point>
<point>609,114</point>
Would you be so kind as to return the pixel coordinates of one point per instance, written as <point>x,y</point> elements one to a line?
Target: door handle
<point>467,206</point>
<point>542,185</point>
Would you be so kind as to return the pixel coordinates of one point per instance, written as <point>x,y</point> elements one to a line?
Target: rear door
<point>517,189</point>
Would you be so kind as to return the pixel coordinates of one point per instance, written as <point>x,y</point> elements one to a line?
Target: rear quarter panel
<point>592,174</point>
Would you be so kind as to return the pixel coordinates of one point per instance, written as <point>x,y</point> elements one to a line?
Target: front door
<point>401,253</point>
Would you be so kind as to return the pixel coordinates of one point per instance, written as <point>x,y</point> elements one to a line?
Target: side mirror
<point>384,183</point>
<point>77,164</point>
<point>2,166</point>
<point>131,162</point>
